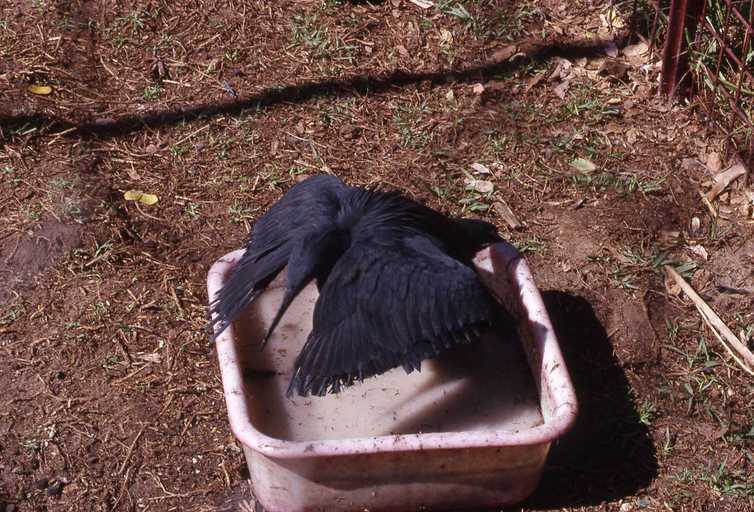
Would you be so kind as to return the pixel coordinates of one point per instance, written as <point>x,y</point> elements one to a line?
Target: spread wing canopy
<point>390,301</point>
<point>308,207</point>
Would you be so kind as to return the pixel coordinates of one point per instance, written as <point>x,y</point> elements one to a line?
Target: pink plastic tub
<point>472,429</point>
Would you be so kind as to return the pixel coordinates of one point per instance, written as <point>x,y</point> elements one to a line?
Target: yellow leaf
<point>142,197</point>
<point>40,89</point>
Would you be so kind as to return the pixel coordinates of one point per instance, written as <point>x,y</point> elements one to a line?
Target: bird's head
<point>314,256</point>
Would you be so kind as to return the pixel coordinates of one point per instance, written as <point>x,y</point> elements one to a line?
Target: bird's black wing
<point>308,207</point>
<point>389,303</point>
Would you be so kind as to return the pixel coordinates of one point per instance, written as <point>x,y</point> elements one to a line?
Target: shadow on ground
<point>359,85</point>
<point>609,453</point>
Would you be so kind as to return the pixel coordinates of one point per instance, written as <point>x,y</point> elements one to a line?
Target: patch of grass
<point>9,176</point>
<point>475,202</point>
<point>232,55</point>
<point>33,211</point>
<point>152,92</point>
<point>701,356</point>
<point>61,183</point>
<point>500,143</point>
<point>314,38</point>
<point>622,278</point>
<point>135,21</point>
<point>408,118</point>
<point>72,209</point>
<point>308,35</point>
<point>440,192</point>
<point>668,443</point>
<point>684,476</point>
<point>12,314</point>
<point>632,263</point>
<point>240,213</point>
<point>511,27</point>
<point>458,10</point>
<point>296,171</point>
<point>100,308</point>
<point>193,210</point>
<point>111,362</point>
<point>584,106</point>
<point>529,245</point>
<point>647,412</point>
<point>32,445</point>
<point>335,112</point>
<point>223,148</point>
<point>623,184</point>
<point>177,151</point>
<point>727,482</point>
<point>672,329</point>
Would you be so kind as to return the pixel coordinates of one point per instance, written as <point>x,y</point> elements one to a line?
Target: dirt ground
<point>111,393</point>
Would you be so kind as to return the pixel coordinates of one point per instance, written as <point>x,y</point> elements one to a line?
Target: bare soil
<point>111,393</point>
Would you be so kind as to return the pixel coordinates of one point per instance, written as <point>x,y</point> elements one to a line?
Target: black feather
<point>396,280</point>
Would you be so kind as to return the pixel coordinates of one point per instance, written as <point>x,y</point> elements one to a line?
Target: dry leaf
<point>446,37</point>
<point>699,251</point>
<point>724,179</point>
<point>634,50</point>
<point>477,89</point>
<point>612,19</point>
<point>496,85</point>
<point>151,358</point>
<point>43,90</point>
<point>142,197</point>
<point>584,165</point>
<point>450,96</point>
<point>504,53</point>
<point>132,173</point>
<point>714,162</point>
<point>481,186</point>
<point>671,286</point>
<point>562,70</point>
<point>695,225</point>
<point>691,164</point>
<point>507,214</point>
<point>561,89</point>
<point>481,168</point>
<point>534,80</point>
<point>614,69</point>
<point>669,237</point>
<point>424,4</point>
<point>402,50</point>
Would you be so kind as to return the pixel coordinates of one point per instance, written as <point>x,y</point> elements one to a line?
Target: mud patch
<point>628,320</point>
<point>33,252</point>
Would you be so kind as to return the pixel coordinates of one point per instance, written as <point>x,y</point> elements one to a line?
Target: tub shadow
<point>609,453</point>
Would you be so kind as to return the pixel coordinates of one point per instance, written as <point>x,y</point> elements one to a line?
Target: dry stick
<point>131,450</point>
<point>731,342</point>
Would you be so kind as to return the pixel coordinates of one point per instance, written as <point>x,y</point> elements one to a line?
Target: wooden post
<point>684,18</point>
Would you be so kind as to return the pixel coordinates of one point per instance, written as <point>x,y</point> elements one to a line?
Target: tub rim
<point>555,374</point>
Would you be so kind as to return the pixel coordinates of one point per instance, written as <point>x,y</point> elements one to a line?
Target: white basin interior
<point>484,387</point>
